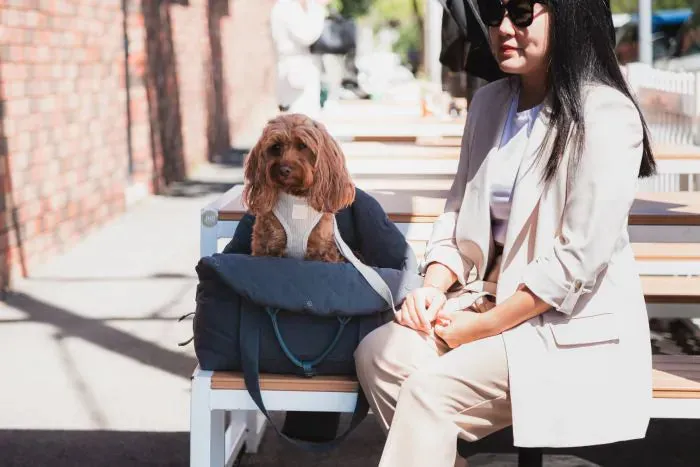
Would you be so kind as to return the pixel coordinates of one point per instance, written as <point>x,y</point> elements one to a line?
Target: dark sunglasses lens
<point>492,12</point>
<point>521,12</point>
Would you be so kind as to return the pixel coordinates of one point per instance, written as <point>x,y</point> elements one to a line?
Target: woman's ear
<point>333,188</point>
<point>258,196</point>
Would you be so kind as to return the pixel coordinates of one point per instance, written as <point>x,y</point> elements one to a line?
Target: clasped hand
<point>423,310</point>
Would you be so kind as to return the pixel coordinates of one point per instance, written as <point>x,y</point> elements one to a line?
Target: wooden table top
<point>415,205</point>
<point>397,151</point>
<point>447,147</point>
<point>408,131</point>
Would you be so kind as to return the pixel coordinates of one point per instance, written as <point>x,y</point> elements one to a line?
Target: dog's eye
<point>275,148</point>
<point>301,146</point>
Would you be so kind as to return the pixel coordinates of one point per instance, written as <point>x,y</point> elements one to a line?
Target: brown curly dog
<point>296,155</point>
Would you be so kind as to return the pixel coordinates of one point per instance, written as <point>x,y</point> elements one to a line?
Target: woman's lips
<point>508,48</point>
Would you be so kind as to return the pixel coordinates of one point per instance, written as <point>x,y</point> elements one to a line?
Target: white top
<point>516,133</point>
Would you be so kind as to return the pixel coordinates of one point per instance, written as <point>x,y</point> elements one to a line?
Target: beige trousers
<point>426,395</point>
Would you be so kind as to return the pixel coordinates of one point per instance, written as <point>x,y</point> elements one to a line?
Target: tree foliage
<point>352,8</point>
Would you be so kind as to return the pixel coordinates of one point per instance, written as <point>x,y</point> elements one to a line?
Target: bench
<point>672,218</point>
<point>655,217</point>
<point>676,384</point>
<point>662,259</point>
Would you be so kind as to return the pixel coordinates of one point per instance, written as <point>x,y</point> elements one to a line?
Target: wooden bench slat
<point>674,395</point>
<point>270,382</point>
<point>683,376</point>
<point>666,208</point>
<point>680,367</point>
<point>676,359</point>
<point>676,152</point>
<point>684,384</point>
<point>667,251</point>
<point>670,289</point>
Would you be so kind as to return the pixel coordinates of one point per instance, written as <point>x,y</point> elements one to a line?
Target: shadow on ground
<point>225,171</point>
<point>101,334</point>
<point>234,157</point>
<point>668,444</point>
<point>194,188</point>
<point>37,448</point>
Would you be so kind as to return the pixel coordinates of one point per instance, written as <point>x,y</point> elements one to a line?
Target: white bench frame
<point>216,442</point>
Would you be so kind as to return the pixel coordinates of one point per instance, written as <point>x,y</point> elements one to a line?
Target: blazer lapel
<point>529,186</point>
<point>475,213</point>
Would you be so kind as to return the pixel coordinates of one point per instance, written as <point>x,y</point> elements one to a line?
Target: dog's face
<point>298,156</point>
<point>288,161</point>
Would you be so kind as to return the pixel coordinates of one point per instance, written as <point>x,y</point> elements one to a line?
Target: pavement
<point>93,374</point>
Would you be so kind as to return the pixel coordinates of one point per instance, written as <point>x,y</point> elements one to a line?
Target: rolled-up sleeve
<point>601,190</point>
<point>442,246</point>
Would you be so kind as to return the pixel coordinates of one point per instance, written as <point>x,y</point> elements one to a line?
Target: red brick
<point>63,85</point>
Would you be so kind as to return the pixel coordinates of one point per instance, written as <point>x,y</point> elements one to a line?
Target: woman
<point>296,24</point>
<point>537,214</point>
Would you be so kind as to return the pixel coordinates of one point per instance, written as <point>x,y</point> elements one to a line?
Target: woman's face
<point>522,51</point>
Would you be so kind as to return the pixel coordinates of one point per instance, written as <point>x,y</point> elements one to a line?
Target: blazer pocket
<point>586,330</point>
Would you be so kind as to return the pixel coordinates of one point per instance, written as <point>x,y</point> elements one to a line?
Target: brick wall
<point>200,80</point>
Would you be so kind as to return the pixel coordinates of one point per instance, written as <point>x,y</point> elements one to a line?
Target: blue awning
<point>662,18</point>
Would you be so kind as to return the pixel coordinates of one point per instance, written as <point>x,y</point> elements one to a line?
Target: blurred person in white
<point>296,24</point>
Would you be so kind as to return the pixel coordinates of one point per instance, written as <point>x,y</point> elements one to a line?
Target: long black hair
<point>582,39</point>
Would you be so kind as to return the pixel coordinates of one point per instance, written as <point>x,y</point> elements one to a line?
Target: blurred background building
<point>105,101</point>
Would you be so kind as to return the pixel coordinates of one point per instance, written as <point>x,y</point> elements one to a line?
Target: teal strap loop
<point>308,367</point>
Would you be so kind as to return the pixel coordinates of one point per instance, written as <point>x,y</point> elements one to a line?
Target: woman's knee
<point>422,388</point>
<point>387,349</point>
<point>371,349</point>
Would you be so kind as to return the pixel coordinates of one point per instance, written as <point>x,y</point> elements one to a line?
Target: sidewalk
<point>93,375</point>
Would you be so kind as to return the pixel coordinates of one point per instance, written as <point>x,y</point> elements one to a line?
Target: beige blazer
<point>580,374</point>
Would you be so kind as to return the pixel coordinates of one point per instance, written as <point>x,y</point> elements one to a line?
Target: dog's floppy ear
<point>258,195</point>
<point>333,188</point>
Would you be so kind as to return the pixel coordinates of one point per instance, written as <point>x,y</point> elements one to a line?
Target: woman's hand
<point>462,326</point>
<point>420,308</point>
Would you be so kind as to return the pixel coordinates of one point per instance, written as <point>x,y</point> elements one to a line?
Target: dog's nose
<point>285,170</point>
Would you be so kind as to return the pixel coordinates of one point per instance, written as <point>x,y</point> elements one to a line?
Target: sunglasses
<point>520,12</point>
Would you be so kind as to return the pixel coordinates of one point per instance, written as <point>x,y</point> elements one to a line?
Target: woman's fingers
<point>436,304</point>
<point>419,309</point>
<point>407,314</point>
<point>445,315</point>
<point>416,316</point>
<point>401,314</point>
